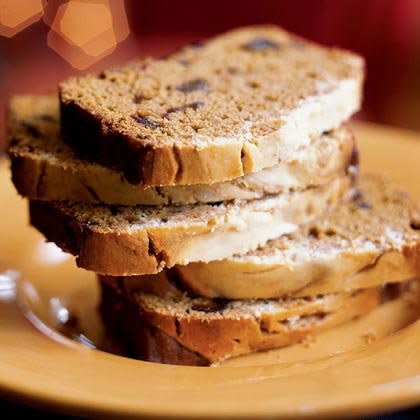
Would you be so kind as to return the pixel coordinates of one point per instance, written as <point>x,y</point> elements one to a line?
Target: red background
<point>386,32</point>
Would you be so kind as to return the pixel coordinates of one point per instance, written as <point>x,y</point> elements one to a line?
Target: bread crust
<point>138,138</point>
<point>137,339</point>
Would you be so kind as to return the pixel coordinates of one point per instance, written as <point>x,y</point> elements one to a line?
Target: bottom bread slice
<point>179,329</point>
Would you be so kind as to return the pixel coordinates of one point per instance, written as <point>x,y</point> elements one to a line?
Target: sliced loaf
<point>240,102</point>
<point>198,331</point>
<point>45,168</point>
<point>116,240</point>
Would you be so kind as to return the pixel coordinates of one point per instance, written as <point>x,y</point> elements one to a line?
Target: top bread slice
<point>143,240</point>
<point>370,240</point>
<point>211,112</point>
<point>45,168</point>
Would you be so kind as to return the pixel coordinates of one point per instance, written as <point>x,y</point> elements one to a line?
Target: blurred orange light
<point>16,15</point>
<point>80,22</point>
<point>74,55</point>
<point>84,31</point>
<point>119,19</point>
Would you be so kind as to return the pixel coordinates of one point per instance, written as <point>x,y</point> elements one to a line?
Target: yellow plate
<point>368,366</point>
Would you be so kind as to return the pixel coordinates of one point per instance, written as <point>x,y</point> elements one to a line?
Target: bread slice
<point>369,240</point>
<point>198,331</point>
<point>143,240</point>
<point>209,113</point>
<point>45,168</point>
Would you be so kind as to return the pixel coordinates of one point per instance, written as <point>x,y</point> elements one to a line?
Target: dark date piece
<point>214,305</point>
<point>146,122</point>
<point>31,129</point>
<point>261,44</point>
<point>193,85</point>
<point>194,106</point>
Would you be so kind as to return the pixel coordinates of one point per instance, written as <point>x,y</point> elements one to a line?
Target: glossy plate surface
<point>368,366</point>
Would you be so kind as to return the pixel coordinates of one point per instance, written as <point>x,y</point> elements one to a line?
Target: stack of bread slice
<point>216,194</point>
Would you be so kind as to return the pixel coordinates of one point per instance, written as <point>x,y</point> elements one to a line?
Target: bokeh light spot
<point>16,15</point>
<point>119,19</point>
<point>96,20</point>
<point>83,41</point>
<point>77,57</point>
